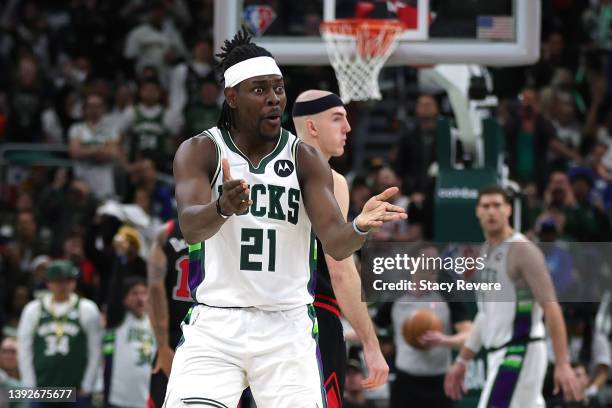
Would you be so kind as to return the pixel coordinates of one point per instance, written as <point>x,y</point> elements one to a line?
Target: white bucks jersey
<point>132,354</point>
<point>265,257</point>
<point>513,315</point>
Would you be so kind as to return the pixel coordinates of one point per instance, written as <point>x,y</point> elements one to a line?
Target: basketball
<point>418,324</point>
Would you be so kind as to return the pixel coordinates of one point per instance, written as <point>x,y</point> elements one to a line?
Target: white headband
<point>250,68</point>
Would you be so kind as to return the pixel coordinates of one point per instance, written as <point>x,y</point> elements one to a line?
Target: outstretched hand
<point>235,196</point>
<point>377,211</point>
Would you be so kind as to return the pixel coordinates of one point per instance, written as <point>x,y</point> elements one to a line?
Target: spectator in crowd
<point>602,174</point>
<point>31,33</point>
<point>143,176</point>
<point>61,330</point>
<point>188,77</point>
<point>398,230</point>
<point>554,57</point>
<point>149,128</point>
<point>25,244</point>
<point>530,139</point>
<point>129,342</point>
<point>92,30</point>
<point>19,296</point>
<point>9,373</point>
<point>26,103</point>
<point>204,113</point>
<point>124,101</point>
<point>589,213</point>
<point>420,217</point>
<point>94,147</point>
<point>558,259</point>
<point>38,278</point>
<point>560,205</point>
<point>154,43</point>
<point>569,129</point>
<point>126,260</point>
<point>354,396</point>
<point>99,249</point>
<point>66,204</point>
<point>8,358</point>
<point>74,251</point>
<point>416,151</point>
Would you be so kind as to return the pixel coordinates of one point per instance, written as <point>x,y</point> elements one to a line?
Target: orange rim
<point>356,24</point>
<point>366,30</point>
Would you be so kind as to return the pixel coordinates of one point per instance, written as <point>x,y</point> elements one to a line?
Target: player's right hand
<point>235,194</point>
<point>453,381</point>
<point>377,211</point>
<point>165,355</point>
<point>378,370</point>
<point>566,381</point>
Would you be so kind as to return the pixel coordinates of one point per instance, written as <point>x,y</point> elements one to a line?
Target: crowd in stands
<point>120,84</point>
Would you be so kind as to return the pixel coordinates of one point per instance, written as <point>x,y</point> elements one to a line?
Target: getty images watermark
<point>402,271</point>
<point>410,264</point>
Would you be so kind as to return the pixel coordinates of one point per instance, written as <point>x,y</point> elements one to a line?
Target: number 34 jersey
<point>264,258</point>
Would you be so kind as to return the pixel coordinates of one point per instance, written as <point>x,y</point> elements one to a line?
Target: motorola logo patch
<point>283,168</point>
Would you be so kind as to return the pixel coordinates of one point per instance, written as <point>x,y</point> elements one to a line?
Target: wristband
<point>357,230</point>
<point>225,217</point>
<point>462,360</point>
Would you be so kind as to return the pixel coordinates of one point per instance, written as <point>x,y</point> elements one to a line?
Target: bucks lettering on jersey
<point>265,257</point>
<point>60,349</point>
<point>507,321</point>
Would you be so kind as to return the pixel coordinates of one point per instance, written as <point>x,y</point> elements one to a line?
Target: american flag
<point>495,27</point>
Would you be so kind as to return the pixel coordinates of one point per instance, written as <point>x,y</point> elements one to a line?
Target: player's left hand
<point>377,367</point>
<point>433,338</point>
<point>377,211</point>
<point>566,381</point>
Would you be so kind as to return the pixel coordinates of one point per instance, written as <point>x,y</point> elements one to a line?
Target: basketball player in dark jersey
<point>170,299</point>
<point>320,120</point>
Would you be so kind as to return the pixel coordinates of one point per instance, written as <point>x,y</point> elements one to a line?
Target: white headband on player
<point>250,68</point>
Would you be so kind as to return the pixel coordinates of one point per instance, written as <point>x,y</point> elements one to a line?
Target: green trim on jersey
<point>294,147</point>
<point>218,149</point>
<point>261,167</point>
<point>196,267</point>
<point>312,260</point>
<point>312,314</point>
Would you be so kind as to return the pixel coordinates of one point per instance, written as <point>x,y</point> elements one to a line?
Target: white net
<point>358,49</point>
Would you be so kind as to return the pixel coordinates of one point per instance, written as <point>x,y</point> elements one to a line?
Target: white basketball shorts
<point>227,349</point>
<point>515,376</point>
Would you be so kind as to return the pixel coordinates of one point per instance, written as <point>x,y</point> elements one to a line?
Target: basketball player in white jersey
<point>509,325</point>
<point>320,121</point>
<point>251,198</point>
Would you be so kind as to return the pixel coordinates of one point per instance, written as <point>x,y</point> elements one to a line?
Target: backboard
<point>484,32</point>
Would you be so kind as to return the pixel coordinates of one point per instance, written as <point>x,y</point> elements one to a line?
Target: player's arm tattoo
<point>158,302</point>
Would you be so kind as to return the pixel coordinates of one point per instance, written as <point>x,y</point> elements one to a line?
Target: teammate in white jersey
<point>247,192</point>
<point>509,325</point>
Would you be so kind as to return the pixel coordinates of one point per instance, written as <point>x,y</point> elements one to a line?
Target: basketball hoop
<point>358,49</point>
